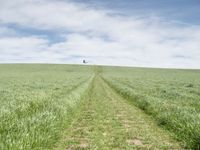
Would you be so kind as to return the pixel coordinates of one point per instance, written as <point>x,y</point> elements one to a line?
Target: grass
<point>36,101</point>
<point>106,121</point>
<point>172,97</point>
<point>81,107</point>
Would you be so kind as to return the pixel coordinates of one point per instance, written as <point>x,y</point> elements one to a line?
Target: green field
<point>93,107</point>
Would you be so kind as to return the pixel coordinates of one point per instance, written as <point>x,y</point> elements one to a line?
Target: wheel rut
<point>107,121</point>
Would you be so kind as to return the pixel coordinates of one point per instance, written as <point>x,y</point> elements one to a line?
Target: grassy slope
<point>170,96</point>
<point>36,101</point>
<point>107,121</point>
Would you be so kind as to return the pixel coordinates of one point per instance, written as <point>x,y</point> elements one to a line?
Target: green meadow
<point>171,97</point>
<point>97,107</point>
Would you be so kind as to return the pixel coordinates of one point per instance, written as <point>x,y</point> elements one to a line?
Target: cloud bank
<point>50,31</point>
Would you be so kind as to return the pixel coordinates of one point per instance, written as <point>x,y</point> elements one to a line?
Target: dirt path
<point>107,121</point>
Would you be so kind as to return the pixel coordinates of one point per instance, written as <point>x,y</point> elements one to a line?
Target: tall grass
<point>172,97</point>
<point>36,103</point>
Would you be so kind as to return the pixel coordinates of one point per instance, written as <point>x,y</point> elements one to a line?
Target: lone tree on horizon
<point>84,61</point>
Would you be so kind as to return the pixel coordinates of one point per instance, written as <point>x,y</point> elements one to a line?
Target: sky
<point>139,33</point>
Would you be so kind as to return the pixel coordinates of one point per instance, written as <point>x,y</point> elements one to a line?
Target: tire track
<point>107,121</point>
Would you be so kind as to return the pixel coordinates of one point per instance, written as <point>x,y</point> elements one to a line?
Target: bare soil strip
<point>107,121</point>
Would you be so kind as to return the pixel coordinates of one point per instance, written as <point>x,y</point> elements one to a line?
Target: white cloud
<point>98,36</point>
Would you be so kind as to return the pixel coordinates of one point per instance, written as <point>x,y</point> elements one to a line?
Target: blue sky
<point>144,33</point>
<point>183,11</point>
